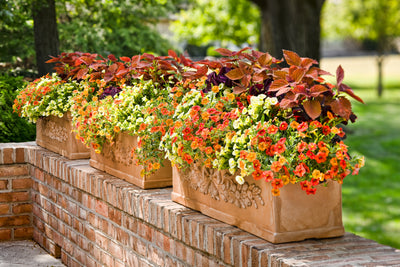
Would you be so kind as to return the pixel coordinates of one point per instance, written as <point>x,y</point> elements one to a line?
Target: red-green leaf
<point>82,73</point>
<point>278,84</point>
<point>312,108</point>
<point>292,58</point>
<point>235,74</point>
<point>307,62</point>
<point>224,52</point>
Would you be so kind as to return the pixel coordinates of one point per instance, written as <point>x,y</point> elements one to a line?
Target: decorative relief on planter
<point>220,185</point>
<point>116,159</point>
<point>292,216</point>
<point>55,134</point>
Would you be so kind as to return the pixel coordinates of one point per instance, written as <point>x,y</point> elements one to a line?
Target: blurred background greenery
<point>361,35</point>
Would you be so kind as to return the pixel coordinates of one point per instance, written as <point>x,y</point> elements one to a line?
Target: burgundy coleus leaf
<point>289,101</point>
<point>81,74</point>
<point>112,58</point>
<point>235,74</point>
<point>344,88</point>
<point>172,54</point>
<point>239,89</point>
<point>307,62</point>
<point>342,107</point>
<point>125,59</point>
<point>292,58</point>
<point>278,84</point>
<point>224,52</point>
<point>265,59</point>
<point>339,75</point>
<point>317,90</point>
<point>296,74</point>
<point>312,108</point>
<point>280,74</point>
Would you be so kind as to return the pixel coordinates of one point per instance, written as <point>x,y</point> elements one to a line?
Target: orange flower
<point>320,157</point>
<point>277,183</point>
<point>205,115</point>
<point>178,124</point>
<point>219,105</point>
<point>268,176</point>
<point>262,146</point>
<point>257,174</point>
<point>231,97</point>
<point>194,144</point>
<point>243,154</point>
<point>169,122</point>
<point>215,89</point>
<point>301,146</point>
<point>188,158</point>
<point>294,124</point>
<point>302,127</point>
<point>275,192</point>
<point>256,164</point>
<point>116,128</point>
<point>251,156</point>
<point>272,129</point>
<point>204,101</point>
<point>156,166</point>
<point>276,166</point>
<point>208,150</point>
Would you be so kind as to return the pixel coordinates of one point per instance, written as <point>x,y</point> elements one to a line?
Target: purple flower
<point>216,79</point>
<point>111,90</point>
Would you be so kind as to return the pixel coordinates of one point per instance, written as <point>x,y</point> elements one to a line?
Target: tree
<point>378,21</point>
<point>291,25</point>
<point>46,34</point>
<point>285,24</point>
<point>224,22</point>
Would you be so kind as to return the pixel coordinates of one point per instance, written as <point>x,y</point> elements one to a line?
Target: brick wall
<point>15,198</point>
<point>89,218</point>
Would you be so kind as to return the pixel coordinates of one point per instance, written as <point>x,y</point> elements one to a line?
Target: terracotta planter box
<point>55,134</point>
<point>116,160</point>
<point>293,216</point>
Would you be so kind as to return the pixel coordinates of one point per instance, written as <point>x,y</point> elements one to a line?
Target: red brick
<point>15,220</point>
<point>3,184</point>
<point>22,208</point>
<point>14,197</point>
<point>14,170</point>
<point>101,208</point>
<point>156,255</point>
<point>7,155</point>
<point>101,240</point>
<point>5,234</point>
<point>25,183</point>
<point>107,259</point>
<point>4,209</point>
<point>23,233</point>
<point>115,250</point>
<point>19,155</point>
<point>114,215</point>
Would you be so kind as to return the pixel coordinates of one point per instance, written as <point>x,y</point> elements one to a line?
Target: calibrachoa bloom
<point>45,96</point>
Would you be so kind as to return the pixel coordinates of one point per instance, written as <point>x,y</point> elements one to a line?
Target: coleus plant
<point>298,86</point>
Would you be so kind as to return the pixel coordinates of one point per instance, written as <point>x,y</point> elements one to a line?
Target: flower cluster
<point>46,96</point>
<point>245,113</point>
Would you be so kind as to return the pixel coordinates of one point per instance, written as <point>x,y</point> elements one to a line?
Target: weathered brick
<point>22,208</point>
<point>4,209</point>
<point>114,215</point>
<point>5,234</point>
<point>3,184</point>
<point>115,249</point>
<point>13,170</point>
<point>15,221</point>
<point>24,183</point>
<point>101,208</point>
<point>7,155</point>
<point>23,233</point>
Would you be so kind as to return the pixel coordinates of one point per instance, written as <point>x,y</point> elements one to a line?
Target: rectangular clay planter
<point>55,134</point>
<point>292,216</point>
<point>116,160</point>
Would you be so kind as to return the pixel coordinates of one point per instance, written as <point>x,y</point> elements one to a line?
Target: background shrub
<point>12,127</point>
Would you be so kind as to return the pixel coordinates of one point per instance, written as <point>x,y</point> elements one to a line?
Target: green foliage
<point>207,21</point>
<point>16,31</point>
<point>362,19</point>
<point>12,127</point>
<point>116,27</point>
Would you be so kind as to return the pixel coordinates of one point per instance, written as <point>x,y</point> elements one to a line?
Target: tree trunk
<point>379,61</point>
<point>292,25</point>
<point>46,34</point>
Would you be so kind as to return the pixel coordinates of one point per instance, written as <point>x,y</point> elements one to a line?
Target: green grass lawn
<point>371,200</point>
